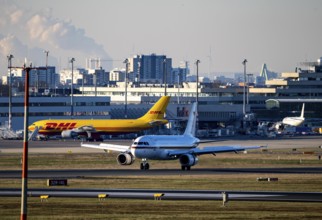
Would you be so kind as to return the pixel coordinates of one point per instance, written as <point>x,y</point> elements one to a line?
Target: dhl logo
<point>156,113</point>
<point>59,126</point>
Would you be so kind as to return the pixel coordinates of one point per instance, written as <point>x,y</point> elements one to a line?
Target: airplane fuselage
<point>71,128</point>
<point>158,147</point>
<point>55,127</point>
<point>293,121</point>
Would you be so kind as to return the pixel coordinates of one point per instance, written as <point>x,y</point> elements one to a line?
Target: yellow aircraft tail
<point>158,109</point>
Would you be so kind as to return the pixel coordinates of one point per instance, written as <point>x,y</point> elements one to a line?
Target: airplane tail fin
<point>192,121</point>
<point>157,110</point>
<point>302,112</point>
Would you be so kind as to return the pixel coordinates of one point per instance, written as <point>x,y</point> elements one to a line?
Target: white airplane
<point>295,121</point>
<point>167,147</point>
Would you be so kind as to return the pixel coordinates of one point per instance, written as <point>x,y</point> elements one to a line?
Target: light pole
<point>24,176</point>
<point>10,88</point>
<point>126,61</point>
<point>46,81</point>
<point>197,94</point>
<point>244,93</point>
<point>37,85</point>
<point>95,83</point>
<point>71,90</point>
<point>248,76</point>
<point>197,83</point>
<point>178,86</point>
<point>83,83</point>
<point>25,149</point>
<point>138,74</point>
<point>165,76</point>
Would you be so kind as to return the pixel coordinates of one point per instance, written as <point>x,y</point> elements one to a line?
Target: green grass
<point>58,208</point>
<point>257,158</point>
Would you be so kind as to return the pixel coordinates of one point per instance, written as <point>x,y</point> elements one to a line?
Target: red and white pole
<point>24,186</point>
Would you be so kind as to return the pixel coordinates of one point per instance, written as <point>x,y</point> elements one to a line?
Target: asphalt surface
<point>82,173</point>
<point>63,146</point>
<point>168,194</point>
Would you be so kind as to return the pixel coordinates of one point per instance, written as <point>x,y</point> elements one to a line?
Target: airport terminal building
<point>218,106</point>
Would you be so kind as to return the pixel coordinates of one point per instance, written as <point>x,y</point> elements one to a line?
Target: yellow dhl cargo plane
<point>92,129</point>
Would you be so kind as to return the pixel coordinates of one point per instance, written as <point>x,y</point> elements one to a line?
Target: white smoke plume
<point>26,33</point>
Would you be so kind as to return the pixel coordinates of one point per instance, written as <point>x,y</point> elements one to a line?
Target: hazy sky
<point>220,33</point>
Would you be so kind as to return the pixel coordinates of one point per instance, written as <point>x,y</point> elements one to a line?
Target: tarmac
<point>65,146</point>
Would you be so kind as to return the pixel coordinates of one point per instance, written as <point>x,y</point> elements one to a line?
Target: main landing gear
<point>185,167</point>
<point>144,165</point>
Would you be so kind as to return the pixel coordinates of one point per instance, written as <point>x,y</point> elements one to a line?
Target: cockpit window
<point>141,143</point>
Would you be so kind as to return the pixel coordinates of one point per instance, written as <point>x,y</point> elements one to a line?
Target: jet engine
<point>69,134</point>
<point>125,159</point>
<point>188,160</point>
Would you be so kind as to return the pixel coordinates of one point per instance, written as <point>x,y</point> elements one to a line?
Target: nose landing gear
<point>144,165</point>
<point>185,167</point>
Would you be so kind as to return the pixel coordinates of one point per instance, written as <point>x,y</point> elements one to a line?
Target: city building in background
<point>270,96</point>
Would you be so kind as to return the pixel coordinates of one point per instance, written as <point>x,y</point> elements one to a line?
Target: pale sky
<point>220,33</point>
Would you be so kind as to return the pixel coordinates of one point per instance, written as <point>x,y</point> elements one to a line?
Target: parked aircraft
<point>167,147</point>
<point>295,121</point>
<point>92,129</point>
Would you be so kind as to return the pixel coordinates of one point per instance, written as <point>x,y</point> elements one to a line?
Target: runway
<point>63,146</point>
<point>168,194</point>
<point>60,146</point>
<point>81,173</point>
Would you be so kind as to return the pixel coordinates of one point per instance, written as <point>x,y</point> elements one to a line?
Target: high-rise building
<point>66,76</point>
<point>179,75</point>
<point>44,78</point>
<point>117,75</point>
<point>150,68</point>
<point>38,78</point>
<point>98,77</point>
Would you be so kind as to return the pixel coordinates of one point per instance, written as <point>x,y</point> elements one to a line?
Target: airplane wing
<point>212,150</point>
<point>111,147</point>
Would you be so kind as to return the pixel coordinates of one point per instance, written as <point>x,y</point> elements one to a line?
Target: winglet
<point>302,112</point>
<point>191,125</point>
<point>158,109</point>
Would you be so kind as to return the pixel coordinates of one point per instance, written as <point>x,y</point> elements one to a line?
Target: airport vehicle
<point>93,129</point>
<point>295,121</point>
<point>167,147</point>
